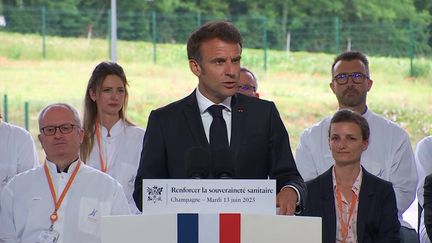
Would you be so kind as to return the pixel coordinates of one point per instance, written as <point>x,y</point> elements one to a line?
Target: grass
<point>296,82</point>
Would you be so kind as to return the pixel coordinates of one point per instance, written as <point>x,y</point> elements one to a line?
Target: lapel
<point>328,207</point>
<point>193,118</point>
<point>238,119</point>
<point>367,191</point>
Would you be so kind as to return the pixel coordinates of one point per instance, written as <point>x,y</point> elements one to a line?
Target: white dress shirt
<point>17,152</point>
<point>389,156</point>
<point>26,205</point>
<point>352,223</point>
<point>121,152</point>
<point>204,104</point>
<point>423,156</point>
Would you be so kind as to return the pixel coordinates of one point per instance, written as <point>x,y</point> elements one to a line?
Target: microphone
<point>197,163</point>
<point>223,164</point>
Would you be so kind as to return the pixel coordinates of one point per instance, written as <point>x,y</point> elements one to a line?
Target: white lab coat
<point>17,152</point>
<point>423,156</point>
<point>26,205</point>
<point>122,153</point>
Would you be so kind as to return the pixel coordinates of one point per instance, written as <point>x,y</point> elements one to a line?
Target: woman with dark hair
<point>355,206</point>
<point>111,142</point>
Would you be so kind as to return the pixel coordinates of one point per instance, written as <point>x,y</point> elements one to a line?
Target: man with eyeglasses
<point>62,200</point>
<point>248,83</point>
<point>389,155</point>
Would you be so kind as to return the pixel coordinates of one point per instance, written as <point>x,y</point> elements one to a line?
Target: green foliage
<point>422,68</point>
<point>23,20</point>
<point>384,27</point>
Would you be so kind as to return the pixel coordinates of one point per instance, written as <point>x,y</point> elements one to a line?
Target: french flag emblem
<point>208,228</point>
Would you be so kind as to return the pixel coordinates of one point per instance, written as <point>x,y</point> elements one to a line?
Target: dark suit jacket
<point>427,205</point>
<point>377,219</point>
<point>259,143</point>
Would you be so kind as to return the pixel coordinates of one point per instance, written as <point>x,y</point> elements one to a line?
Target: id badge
<point>48,236</point>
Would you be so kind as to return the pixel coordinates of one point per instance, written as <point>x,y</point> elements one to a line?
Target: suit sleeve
<point>153,158</point>
<point>390,226</point>
<point>309,208</point>
<point>283,166</point>
<point>427,205</point>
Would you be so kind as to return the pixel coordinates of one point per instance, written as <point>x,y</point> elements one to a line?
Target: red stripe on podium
<point>229,228</point>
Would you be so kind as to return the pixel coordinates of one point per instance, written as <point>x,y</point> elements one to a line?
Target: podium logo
<point>154,194</point>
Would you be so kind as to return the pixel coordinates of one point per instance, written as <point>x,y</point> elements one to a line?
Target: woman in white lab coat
<point>112,143</point>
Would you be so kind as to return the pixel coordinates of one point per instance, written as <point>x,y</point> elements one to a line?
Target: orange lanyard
<point>344,225</point>
<point>57,204</point>
<point>98,138</point>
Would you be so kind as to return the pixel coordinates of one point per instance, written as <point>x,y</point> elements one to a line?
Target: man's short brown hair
<point>222,30</point>
<point>349,56</point>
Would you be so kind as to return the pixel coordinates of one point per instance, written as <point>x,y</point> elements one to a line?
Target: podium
<point>253,228</point>
<point>189,211</point>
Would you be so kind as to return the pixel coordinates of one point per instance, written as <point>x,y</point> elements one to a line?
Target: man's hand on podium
<point>286,200</point>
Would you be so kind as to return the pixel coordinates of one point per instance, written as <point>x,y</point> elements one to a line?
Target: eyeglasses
<point>356,77</point>
<point>247,87</point>
<point>64,129</point>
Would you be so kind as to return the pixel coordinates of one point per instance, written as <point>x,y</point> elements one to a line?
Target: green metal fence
<point>5,114</point>
<point>328,35</point>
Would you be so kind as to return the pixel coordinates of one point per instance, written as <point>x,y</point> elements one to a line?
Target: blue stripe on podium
<point>187,228</point>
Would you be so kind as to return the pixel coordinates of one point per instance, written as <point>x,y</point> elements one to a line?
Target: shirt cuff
<point>298,208</point>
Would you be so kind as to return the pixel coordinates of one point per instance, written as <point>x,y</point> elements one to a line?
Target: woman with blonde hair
<point>111,143</point>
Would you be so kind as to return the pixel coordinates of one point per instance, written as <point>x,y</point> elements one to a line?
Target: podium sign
<point>161,196</point>
<point>171,228</point>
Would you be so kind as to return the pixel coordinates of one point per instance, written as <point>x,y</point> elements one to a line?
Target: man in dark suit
<point>254,132</point>
<point>355,205</point>
<point>427,205</point>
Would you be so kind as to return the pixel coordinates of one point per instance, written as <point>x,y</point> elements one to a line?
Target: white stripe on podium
<point>208,228</point>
